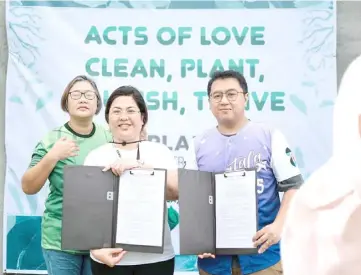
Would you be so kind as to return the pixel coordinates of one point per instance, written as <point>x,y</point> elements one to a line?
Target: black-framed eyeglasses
<point>231,95</point>
<point>90,95</point>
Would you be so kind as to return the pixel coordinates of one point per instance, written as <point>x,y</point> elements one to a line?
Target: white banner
<point>168,49</point>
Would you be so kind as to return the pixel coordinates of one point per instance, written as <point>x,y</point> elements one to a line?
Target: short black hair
<point>128,91</point>
<point>228,74</point>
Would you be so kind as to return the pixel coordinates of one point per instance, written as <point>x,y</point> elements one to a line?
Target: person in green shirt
<point>65,145</point>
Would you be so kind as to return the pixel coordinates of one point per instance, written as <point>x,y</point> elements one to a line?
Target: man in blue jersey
<point>238,143</point>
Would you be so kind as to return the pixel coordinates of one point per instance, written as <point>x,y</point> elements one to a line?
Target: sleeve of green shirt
<point>38,153</point>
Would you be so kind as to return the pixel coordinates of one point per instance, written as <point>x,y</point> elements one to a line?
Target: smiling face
<point>227,101</point>
<point>82,100</point>
<point>125,119</point>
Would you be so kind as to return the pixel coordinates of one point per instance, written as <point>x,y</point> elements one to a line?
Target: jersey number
<point>260,186</point>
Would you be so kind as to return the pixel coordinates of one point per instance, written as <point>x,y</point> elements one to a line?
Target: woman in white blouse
<point>127,115</point>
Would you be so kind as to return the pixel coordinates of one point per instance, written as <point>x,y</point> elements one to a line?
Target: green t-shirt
<point>51,223</point>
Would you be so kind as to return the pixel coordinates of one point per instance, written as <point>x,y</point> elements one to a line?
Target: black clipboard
<point>90,203</point>
<point>197,213</point>
<point>88,194</point>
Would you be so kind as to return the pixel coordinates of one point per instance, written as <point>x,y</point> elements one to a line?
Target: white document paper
<point>141,206</point>
<point>236,209</point>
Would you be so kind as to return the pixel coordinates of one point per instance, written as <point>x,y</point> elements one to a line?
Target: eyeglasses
<point>129,112</point>
<point>231,95</point>
<point>90,95</point>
